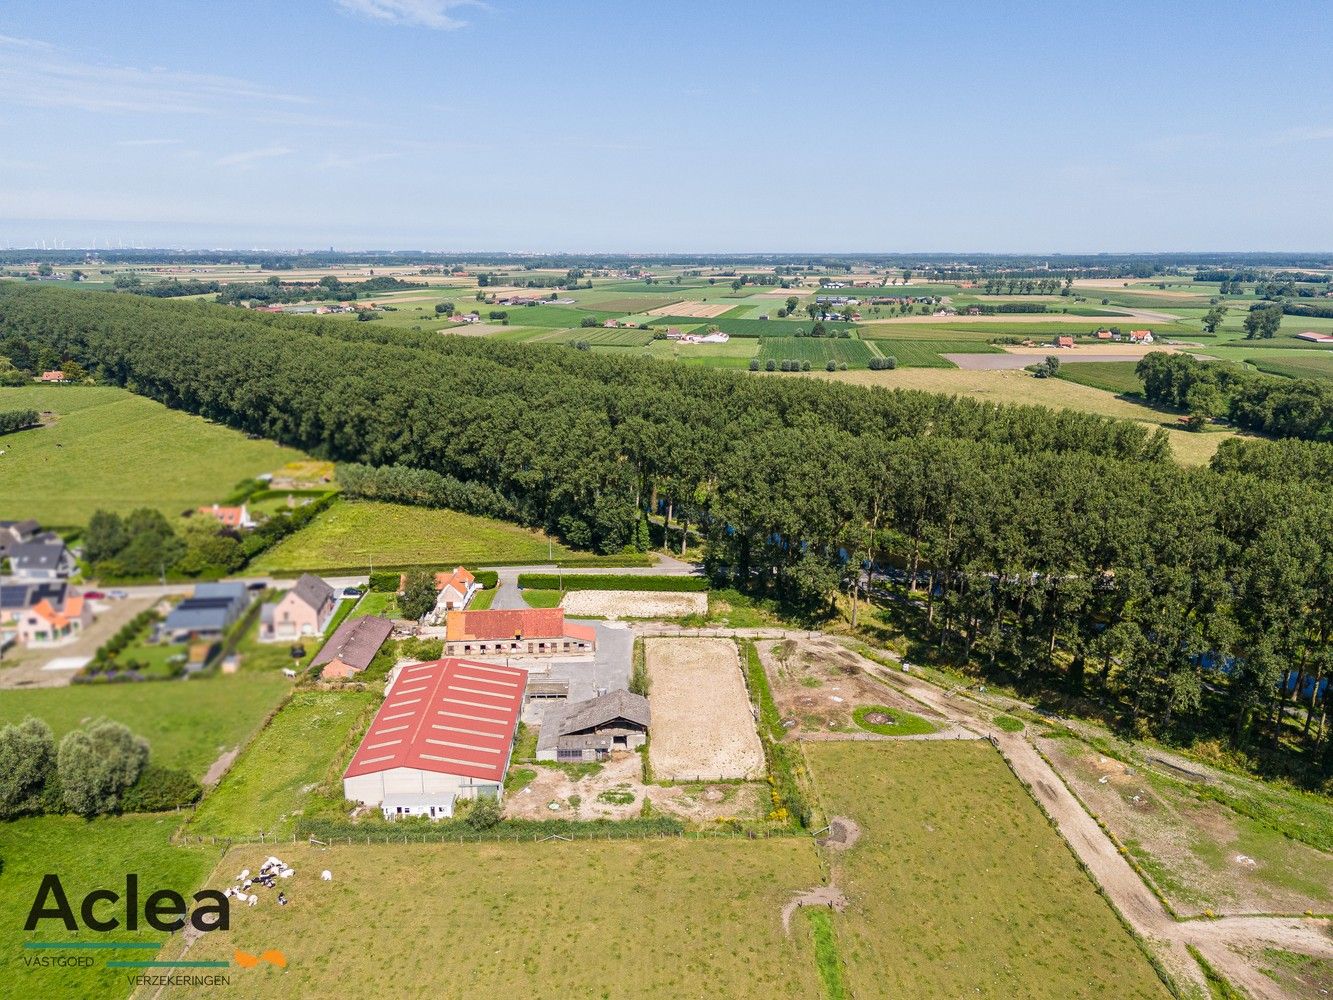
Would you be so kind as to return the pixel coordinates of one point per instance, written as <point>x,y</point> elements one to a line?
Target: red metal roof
<point>452,716</point>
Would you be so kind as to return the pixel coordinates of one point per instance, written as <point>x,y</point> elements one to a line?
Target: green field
<point>959,886</point>
<point>817,350</point>
<point>111,449</point>
<point>351,535</point>
<point>929,353</point>
<point>625,919</point>
<point>267,785</point>
<point>187,723</point>
<point>1312,366</point>
<point>86,856</point>
<point>1113,376</point>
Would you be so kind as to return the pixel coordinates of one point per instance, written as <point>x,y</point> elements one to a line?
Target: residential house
<point>444,732</point>
<point>207,613</point>
<point>53,376</point>
<point>531,632</point>
<point>1103,334</point>
<point>18,597</point>
<point>1140,336</point>
<point>1064,341</point>
<point>590,730</point>
<point>352,646</point>
<point>45,624</point>
<point>229,517</point>
<point>1315,338</point>
<point>16,533</point>
<point>304,610</point>
<point>45,557</point>
<point>455,589</point>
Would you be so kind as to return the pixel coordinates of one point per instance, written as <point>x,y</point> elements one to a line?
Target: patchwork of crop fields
<point>816,350</point>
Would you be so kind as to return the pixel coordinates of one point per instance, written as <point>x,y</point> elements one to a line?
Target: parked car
<point>256,585</point>
<point>118,595</point>
<point>351,592</point>
<point>94,595</point>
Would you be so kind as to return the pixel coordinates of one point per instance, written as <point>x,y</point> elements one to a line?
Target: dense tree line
<point>1282,407</point>
<point>422,488</point>
<point>1063,549</point>
<point>275,292</point>
<point>1277,461</point>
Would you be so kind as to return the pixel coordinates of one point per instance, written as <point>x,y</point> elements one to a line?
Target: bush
<point>160,789</point>
<point>27,763</point>
<point>97,765</point>
<point>487,579</point>
<point>754,364</point>
<point>612,581</point>
<point>384,583</point>
<point>881,364</point>
<point>484,814</point>
<point>831,366</point>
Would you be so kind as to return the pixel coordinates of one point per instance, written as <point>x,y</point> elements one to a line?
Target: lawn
<point>895,721</point>
<point>817,350</point>
<point>377,603</point>
<point>310,739</point>
<point>1113,376</point>
<point>86,855</point>
<point>111,449</point>
<point>187,723</point>
<point>351,535</point>
<point>959,886</point>
<point>1311,365</point>
<point>626,919</point>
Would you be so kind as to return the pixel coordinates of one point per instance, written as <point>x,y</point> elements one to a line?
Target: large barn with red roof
<point>445,732</point>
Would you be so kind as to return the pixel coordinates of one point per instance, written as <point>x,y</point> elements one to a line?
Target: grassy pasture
<point>112,449</point>
<point>350,534</point>
<point>265,789</point>
<point>816,350</point>
<point>959,886</point>
<point>188,724</point>
<point>628,919</point>
<point>753,327</point>
<point>736,353</point>
<point>86,855</point>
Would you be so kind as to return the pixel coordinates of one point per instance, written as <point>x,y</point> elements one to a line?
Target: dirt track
<point>1220,941</point>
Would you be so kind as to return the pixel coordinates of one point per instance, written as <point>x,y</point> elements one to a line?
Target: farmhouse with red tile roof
<point>532,632</point>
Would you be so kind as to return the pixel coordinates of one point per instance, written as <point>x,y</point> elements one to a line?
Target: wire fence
<point>369,838</point>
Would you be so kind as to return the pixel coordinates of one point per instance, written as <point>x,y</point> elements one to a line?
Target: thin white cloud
<point>12,42</point>
<point>1307,133</point>
<point>425,13</point>
<point>148,142</point>
<point>248,156</point>
<point>38,75</point>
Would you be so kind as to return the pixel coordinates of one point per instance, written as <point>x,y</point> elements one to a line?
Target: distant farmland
<point>816,350</point>
<point>927,353</point>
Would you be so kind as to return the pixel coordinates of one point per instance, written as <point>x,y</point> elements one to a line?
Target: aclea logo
<point>163,909</point>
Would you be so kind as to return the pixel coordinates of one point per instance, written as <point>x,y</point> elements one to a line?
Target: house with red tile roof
<point>1064,341</point>
<point>1140,336</point>
<point>44,624</point>
<point>53,376</point>
<point>529,632</point>
<point>454,589</point>
<point>444,732</point>
<point>229,517</point>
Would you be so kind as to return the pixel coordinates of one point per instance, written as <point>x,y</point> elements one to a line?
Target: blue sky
<point>643,126</point>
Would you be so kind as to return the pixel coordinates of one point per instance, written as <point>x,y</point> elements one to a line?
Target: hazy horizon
<point>466,126</point>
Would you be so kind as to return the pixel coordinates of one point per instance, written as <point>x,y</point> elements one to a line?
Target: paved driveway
<point>607,669</point>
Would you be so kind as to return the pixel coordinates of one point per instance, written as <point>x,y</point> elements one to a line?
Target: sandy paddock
<point>699,310</point>
<point>702,722</point>
<point>634,603</point>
